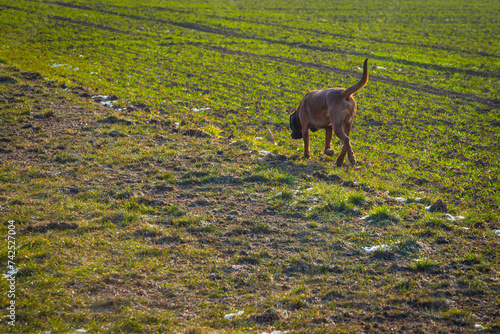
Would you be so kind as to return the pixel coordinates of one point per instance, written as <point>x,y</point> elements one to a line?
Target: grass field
<point>153,187</point>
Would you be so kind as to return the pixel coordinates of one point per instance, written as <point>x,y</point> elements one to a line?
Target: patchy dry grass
<point>185,200</point>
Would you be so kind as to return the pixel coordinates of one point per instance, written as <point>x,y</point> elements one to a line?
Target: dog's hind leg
<point>343,131</point>
<point>328,140</point>
<point>340,158</point>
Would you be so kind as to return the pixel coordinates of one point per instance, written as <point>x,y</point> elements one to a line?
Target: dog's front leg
<point>328,140</point>
<point>305,136</point>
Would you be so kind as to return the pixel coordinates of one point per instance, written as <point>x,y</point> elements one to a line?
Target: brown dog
<point>332,109</point>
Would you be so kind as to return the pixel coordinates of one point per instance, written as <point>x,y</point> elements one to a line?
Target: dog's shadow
<point>291,165</point>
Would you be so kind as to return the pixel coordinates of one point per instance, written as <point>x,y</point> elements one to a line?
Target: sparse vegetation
<point>148,166</point>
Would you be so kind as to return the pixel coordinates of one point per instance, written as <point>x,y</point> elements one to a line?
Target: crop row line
<point>204,76</point>
<point>187,25</point>
<point>308,30</point>
<point>350,37</point>
<point>232,33</point>
<point>91,25</point>
<point>416,87</point>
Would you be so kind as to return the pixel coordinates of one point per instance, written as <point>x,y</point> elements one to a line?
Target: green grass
<point>187,199</point>
<point>381,215</point>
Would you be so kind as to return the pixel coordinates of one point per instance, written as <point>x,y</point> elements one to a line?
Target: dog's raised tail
<point>353,89</point>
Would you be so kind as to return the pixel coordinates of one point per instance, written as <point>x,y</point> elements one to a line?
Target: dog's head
<point>295,125</point>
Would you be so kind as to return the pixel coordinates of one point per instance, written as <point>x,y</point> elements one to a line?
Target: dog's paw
<point>306,156</point>
<point>352,160</point>
<point>329,152</point>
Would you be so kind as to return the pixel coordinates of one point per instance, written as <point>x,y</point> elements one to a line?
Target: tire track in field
<point>90,25</point>
<point>370,39</point>
<point>203,28</point>
<point>69,20</point>
<point>307,30</point>
<point>440,68</point>
<point>227,32</point>
<point>413,86</point>
<point>16,8</point>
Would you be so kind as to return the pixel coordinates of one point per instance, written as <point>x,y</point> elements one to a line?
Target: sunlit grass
<point>126,223</point>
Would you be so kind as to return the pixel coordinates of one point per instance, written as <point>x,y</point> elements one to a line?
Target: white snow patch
<point>312,208</point>
<point>11,272</point>
<point>452,218</point>
<point>374,248</point>
<point>232,315</point>
<point>365,217</point>
<point>104,97</point>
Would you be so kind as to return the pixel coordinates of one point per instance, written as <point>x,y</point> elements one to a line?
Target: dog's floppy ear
<point>295,125</point>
